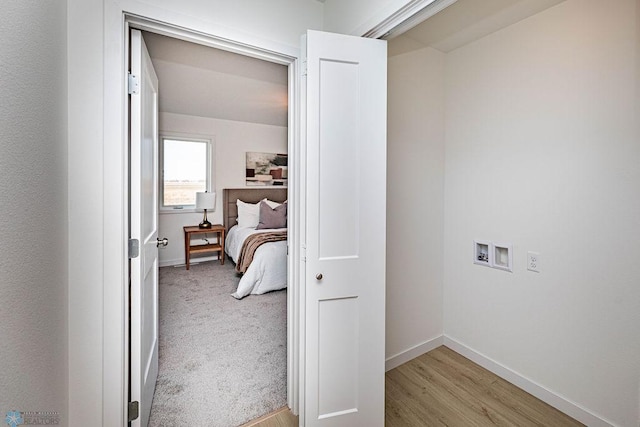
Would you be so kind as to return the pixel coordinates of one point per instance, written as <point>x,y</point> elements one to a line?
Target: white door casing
<point>144,228</point>
<point>344,322</point>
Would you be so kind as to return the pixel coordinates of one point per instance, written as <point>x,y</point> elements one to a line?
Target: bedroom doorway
<point>154,30</point>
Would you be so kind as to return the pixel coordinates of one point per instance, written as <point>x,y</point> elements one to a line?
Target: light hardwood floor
<point>443,388</point>
<point>280,418</point>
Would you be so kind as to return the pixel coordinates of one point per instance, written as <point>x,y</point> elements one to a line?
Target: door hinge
<point>134,248</point>
<point>133,411</point>
<point>304,68</point>
<point>133,87</point>
<point>303,253</point>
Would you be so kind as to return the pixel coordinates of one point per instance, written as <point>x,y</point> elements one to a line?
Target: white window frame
<point>209,141</point>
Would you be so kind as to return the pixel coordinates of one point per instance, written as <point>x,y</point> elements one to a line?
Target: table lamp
<point>205,200</point>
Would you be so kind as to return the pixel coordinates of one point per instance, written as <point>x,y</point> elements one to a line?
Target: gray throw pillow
<point>272,218</point>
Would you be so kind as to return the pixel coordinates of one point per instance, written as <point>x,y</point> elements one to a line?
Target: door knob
<point>319,276</point>
<point>164,241</point>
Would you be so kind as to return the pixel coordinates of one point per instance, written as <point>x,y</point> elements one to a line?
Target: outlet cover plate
<point>533,261</point>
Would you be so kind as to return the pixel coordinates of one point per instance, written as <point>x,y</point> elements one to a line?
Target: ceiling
<point>464,22</point>
<point>197,80</point>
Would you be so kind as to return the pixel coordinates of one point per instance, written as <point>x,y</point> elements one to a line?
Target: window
<point>186,169</point>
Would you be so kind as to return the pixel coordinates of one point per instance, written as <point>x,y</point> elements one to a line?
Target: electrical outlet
<point>533,261</point>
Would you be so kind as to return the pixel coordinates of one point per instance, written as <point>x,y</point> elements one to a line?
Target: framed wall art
<point>266,169</point>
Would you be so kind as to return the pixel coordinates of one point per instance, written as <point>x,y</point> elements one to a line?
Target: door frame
<point>116,215</point>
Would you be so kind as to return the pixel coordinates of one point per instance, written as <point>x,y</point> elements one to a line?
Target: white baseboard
<point>415,351</point>
<point>570,408</point>
<point>180,261</point>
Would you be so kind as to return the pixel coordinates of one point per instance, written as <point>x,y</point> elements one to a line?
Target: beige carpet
<point>222,360</point>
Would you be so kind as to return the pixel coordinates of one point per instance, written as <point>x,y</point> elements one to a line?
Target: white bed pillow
<point>248,214</point>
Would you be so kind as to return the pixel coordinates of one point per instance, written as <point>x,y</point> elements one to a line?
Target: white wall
<point>356,17</point>
<point>415,200</point>
<point>33,207</point>
<point>232,140</point>
<point>96,165</point>
<point>543,151</point>
<point>279,21</point>
<point>86,235</point>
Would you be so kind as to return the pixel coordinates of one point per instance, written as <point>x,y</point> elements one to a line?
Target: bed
<point>267,270</point>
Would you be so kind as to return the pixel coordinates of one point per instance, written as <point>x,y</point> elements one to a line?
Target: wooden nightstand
<point>199,249</point>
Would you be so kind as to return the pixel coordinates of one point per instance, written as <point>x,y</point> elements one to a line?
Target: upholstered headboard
<point>249,195</point>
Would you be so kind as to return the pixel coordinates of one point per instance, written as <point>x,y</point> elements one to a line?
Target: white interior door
<point>144,228</point>
<point>345,230</point>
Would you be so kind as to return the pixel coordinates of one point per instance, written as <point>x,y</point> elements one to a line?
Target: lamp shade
<point>206,200</point>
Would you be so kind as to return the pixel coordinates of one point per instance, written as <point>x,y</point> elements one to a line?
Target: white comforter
<point>268,270</point>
